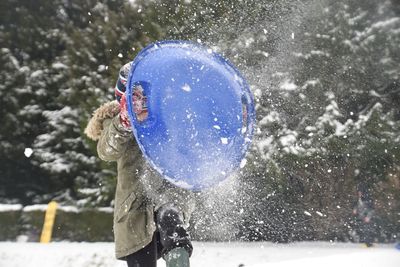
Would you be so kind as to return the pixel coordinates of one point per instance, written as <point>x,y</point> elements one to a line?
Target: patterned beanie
<point>120,87</point>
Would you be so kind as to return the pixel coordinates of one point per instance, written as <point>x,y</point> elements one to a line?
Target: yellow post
<point>48,222</point>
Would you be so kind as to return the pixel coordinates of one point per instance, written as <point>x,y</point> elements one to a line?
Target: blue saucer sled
<point>191,111</point>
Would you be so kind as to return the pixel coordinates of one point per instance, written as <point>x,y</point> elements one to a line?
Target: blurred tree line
<point>325,75</point>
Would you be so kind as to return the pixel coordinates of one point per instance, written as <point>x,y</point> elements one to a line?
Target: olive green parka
<point>140,191</point>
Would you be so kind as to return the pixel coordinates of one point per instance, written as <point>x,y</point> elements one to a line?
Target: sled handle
<point>248,115</point>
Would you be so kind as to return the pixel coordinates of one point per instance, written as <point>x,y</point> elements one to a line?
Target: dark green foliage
<point>10,224</point>
<point>91,225</point>
<point>31,224</point>
<point>88,225</point>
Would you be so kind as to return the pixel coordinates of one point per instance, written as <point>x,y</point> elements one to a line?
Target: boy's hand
<point>123,114</point>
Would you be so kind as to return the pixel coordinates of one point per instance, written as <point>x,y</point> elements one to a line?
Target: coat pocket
<point>130,203</point>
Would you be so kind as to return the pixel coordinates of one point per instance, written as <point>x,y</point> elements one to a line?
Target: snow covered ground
<point>307,254</point>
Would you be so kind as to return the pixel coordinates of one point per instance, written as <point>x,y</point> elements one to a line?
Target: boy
<point>150,214</point>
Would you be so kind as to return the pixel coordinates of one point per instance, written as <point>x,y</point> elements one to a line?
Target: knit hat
<point>120,87</point>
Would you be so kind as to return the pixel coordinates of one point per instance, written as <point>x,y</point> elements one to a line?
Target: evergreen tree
<point>31,40</point>
<point>332,103</point>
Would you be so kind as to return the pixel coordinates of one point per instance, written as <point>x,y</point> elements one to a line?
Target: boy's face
<point>140,103</point>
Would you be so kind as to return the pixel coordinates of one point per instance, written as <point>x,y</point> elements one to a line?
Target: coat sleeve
<point>113,140</point>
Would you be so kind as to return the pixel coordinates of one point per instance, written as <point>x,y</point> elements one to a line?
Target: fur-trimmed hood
<point>95,124</point>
